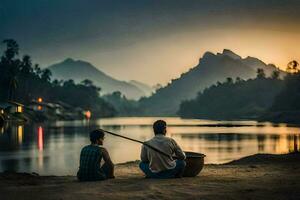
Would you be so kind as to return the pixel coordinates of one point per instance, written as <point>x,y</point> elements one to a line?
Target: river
<point>53,148</point>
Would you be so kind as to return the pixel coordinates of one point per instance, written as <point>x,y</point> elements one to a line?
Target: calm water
<point>54,148</point>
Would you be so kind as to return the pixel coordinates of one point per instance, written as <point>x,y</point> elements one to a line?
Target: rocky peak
<point>231,54</point>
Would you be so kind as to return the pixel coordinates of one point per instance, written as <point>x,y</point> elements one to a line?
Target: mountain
<point>148,90</point>
<point>211,69</point>
<point>79,70</point>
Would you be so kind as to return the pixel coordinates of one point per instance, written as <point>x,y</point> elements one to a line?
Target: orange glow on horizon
<point>180,52</point>
<point>40,100</point>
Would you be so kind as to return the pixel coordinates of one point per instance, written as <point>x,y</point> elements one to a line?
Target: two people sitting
<point>154,164</point>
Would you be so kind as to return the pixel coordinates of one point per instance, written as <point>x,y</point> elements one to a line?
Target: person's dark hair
<point>95,135</point>
<point>159,127</point>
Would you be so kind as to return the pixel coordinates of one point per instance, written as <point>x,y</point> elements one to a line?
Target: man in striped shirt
<point>90,168</point>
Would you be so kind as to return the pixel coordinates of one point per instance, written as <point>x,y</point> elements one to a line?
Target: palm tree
<point>26,72</point>
<point>293,67</point>
<point>260,73</point>
<point>12,65</point>
<point>26,65</point>
<point>12,49</point>
<point>12,88</point>
<point>46,75</point>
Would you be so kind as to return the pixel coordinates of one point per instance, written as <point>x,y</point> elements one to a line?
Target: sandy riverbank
<point>259,176</point>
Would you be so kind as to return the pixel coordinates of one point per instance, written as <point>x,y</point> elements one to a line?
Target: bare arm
<point>108,162</point>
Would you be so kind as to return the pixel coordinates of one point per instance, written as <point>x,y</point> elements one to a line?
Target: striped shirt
<point>89,168</point>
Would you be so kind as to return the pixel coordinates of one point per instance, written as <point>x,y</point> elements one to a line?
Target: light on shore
<point>88,114</point>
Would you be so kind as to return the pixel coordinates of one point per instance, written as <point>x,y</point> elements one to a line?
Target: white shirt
<point>157,161</point>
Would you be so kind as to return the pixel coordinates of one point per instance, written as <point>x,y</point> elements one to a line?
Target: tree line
<point>23,81</point>
<point>250,99</point>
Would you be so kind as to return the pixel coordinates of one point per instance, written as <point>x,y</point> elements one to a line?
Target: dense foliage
<point>124,106</point>
<point>22,81</point>
<point>286,106</point>
<point>234,100</point>
<point>289,98</point>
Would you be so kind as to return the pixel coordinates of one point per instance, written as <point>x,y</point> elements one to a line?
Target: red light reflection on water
<point>40,138</point>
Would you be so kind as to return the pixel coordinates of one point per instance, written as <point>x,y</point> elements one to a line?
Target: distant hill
<point>211,68</point>
<point>79,70</point>
<point>148,90</point>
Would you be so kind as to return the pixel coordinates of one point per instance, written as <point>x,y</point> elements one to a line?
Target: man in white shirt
<point>162,165</point>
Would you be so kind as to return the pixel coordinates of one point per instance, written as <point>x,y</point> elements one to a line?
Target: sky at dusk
<point>152,41</point>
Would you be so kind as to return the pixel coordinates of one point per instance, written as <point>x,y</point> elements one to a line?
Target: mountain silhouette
<point>148,90</point>
<point>79,70</point>
<point>211,69</point>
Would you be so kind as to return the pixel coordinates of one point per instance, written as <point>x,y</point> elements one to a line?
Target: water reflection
<point>40,138</point>
<point>294,143</point>
<point>225,147</point>
<point>20,132</point>
<point>11,137</point>
<point>40,147</point>
<point>54,148</point>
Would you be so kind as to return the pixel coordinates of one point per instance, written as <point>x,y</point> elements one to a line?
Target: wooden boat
<point>194,164</point>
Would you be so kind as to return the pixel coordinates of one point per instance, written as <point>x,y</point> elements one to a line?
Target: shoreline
<point>260,176</point>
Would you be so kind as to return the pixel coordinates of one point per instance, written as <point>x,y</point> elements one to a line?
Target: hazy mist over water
<point>128,39</point>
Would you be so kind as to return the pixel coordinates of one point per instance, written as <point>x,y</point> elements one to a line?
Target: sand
<point>261,176</point>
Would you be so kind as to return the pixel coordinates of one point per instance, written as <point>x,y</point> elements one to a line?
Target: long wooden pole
<point>144,143</point>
